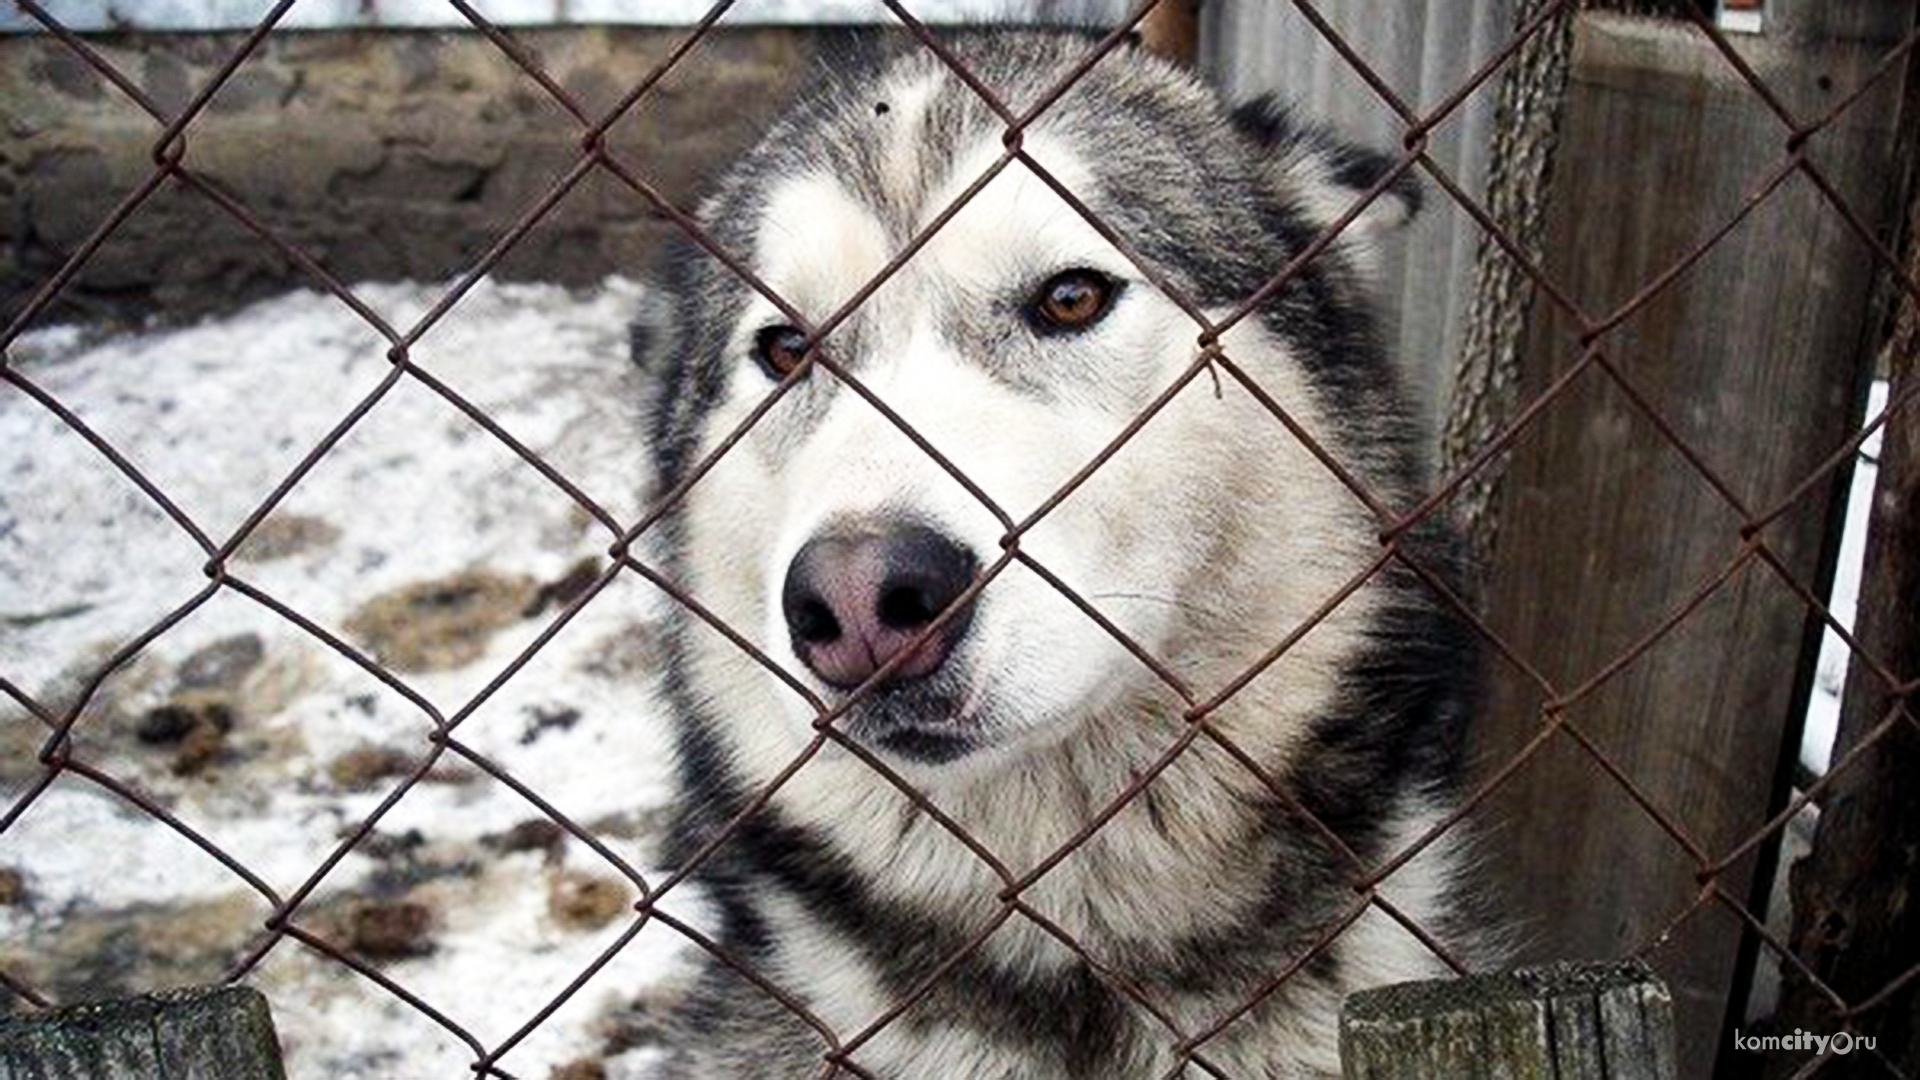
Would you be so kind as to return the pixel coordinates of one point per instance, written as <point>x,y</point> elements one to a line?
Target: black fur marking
<point>1272,125</point>
<point>925,746</point>
<point>1406,700</point>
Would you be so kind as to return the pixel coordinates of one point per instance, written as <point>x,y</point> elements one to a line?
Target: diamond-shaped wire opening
<point>60,505</point>
<point>1798,133</point>
<point>547,868</point>
<point>335,1021</point>
<point>217,718</point>
<point>1656,391</point>
<point>173,913</point>
<point>194,924</point>
<point>622,127</point>
<point>419,1013</point>
<point>1415,159</point>
<point>214,437</point>
<point>454,582</point>
<point>585,868</point>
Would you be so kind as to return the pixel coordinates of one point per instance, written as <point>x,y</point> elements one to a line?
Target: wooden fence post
<point>1564,1022</point>
<point>1855,924</point>
<point>219,1033</point>
<point>1754,357</point>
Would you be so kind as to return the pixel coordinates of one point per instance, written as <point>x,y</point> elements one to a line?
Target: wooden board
<point>1757,357</point>
<point>1854,920</point>
<point>1563,1022</point>
<point>223,1033</point>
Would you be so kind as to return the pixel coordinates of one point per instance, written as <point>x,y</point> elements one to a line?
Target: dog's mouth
<point>928,721</point>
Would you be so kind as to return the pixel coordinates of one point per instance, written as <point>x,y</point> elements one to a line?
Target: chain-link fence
<point>1747,545</point>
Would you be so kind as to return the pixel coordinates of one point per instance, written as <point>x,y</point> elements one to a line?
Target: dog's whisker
<point>1188,606</point>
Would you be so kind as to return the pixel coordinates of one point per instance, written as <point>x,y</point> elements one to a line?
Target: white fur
<point>1155,540</point>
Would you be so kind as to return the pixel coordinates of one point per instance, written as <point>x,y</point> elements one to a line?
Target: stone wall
<point>387,155</point>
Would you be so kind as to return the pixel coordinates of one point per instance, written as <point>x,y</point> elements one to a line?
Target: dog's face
<point>1016,344</point>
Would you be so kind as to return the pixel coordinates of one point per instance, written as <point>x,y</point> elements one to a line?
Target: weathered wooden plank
<point>1637,1022</point>
<point>1516,1041</point>
<point>1575,1019</point>
<point>1456,1044</point>
<point>1562,1022</point>
<point>1754,357</point>
<point>220,1033</point>
<point>1855,922</point>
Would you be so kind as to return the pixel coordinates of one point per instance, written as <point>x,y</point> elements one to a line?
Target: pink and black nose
<point>854,599</point>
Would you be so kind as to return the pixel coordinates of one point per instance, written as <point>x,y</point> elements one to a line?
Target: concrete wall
<point>387,155</point>
<point>404,153</point>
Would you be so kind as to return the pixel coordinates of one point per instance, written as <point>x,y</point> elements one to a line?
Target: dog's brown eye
<point>1072,300</point>
<point>779,349</point>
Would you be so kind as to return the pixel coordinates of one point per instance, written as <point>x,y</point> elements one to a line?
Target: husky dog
<point>1018,343</point>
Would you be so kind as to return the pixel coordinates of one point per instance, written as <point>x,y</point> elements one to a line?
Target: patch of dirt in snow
<point>420,540</point>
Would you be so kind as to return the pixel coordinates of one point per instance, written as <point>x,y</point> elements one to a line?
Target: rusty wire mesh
<point>171,164</point>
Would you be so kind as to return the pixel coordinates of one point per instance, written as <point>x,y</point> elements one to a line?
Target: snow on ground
<point>419,538</point>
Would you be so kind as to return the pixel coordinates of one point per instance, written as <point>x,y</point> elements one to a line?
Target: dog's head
<point>905,529</point>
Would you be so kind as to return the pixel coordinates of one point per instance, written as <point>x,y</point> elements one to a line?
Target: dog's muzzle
<point>856,597</point>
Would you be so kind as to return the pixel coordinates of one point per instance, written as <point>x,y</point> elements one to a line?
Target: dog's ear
<point>1322,176</point>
